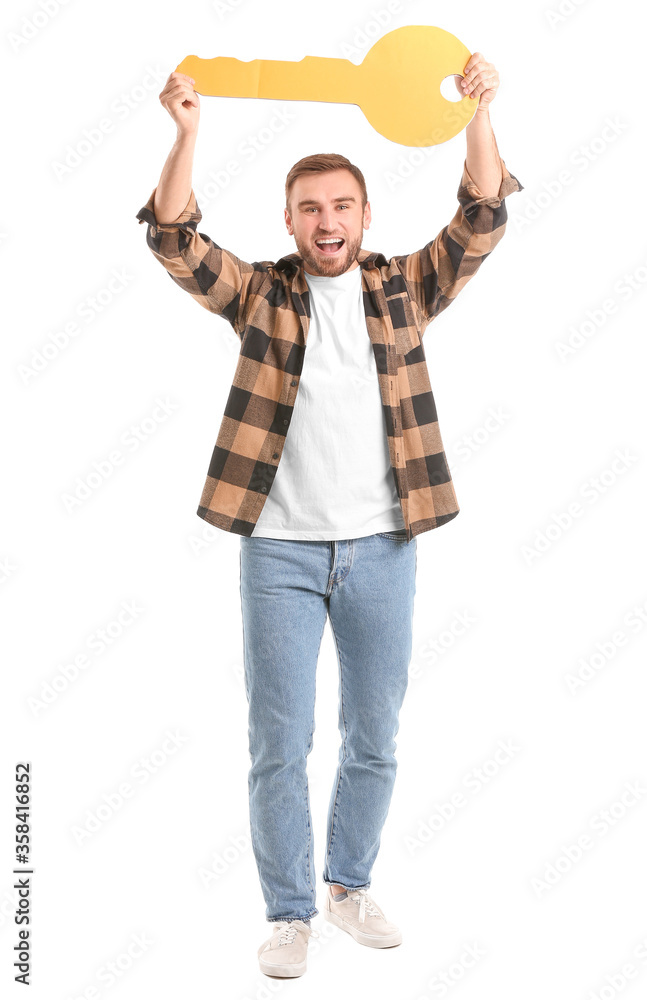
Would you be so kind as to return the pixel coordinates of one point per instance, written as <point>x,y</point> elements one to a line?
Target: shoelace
<point>288,933</point>
<point>365,903</point>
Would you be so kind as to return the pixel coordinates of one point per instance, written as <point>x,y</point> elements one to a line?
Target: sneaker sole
<point>370,940</point>
<point>284,971</point>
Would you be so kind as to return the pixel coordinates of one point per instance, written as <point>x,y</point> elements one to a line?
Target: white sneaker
<point>361,917</point>
<point>284,953</point>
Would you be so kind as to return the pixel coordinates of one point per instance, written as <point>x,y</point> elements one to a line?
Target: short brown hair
<point>320,162</point>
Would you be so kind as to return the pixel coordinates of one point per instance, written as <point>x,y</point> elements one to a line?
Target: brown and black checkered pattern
<point>268,305</point>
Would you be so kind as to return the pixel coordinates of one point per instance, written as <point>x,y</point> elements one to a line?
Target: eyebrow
<point>311,201</point>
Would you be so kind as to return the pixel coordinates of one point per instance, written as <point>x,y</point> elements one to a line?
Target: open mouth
<point>330,245</point>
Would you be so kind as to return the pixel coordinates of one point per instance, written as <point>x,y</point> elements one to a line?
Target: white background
<point>173,863</point>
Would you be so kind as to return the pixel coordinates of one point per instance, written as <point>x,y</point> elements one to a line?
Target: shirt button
<point>275,455</point>
<point>263,489</point>
<point>293,382</point>
<point>285,421</point>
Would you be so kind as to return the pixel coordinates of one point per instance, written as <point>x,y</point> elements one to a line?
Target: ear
<point>288,222</point>
<point>367,215</point>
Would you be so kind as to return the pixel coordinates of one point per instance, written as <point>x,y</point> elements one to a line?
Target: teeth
<point>337,240</point>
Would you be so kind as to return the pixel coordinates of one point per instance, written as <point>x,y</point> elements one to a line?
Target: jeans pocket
<point>399,534</point>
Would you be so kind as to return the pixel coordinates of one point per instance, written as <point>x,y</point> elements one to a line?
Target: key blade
<point>313,78</point>
<point>222,76</point>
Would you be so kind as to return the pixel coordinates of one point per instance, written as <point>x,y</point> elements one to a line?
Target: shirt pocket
<point>403,313</point>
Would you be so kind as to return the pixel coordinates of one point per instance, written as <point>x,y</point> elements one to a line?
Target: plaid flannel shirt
<point>268,305</point>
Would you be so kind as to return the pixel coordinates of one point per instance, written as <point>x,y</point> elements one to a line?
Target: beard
<point>330,266</point>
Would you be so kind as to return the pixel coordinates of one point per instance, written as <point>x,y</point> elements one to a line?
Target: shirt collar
<point>293,262</point>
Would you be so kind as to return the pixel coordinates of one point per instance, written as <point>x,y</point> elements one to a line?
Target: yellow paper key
<point>397,86</point>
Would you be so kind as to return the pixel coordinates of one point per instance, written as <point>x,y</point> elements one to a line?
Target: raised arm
<point>174,187</point>
<point>481,82</point>
<point>436,274</point>
<point>217,279</point>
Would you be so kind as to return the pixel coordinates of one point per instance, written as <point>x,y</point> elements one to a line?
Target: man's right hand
<point>182,103</point>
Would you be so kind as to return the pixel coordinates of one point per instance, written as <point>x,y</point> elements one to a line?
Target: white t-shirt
<point>334,479</point>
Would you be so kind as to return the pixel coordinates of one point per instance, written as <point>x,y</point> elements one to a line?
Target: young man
<point>328,463</point>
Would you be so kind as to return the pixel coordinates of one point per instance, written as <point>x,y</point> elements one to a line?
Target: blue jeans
<point>288,588</point>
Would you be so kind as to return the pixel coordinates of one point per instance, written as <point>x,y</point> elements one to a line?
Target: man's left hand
<point>480,80</point>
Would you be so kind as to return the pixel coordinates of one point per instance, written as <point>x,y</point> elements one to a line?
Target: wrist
<point>483,111</point>
<point>479,122</point>
<point>186,137</point>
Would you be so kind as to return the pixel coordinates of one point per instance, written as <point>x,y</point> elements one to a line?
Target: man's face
<point>324,206</point>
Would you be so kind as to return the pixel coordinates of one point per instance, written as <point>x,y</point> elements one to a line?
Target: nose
<point>325,220</point>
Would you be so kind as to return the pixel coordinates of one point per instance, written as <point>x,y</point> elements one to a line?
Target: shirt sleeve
<point>214,277</point>
<point>435,275</point>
